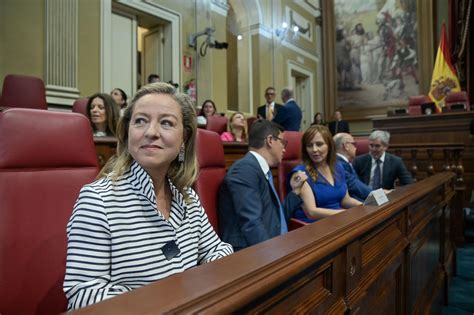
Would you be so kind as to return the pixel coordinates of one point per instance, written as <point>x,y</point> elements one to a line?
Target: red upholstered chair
<point>362,145</point>
<point>414,104</point>
<point>23,91</point>
<point>217,123</point>
<point>457,98</point>
<point>250,121</point>
<point>45,158</point>
<point>291,158</point>
<point>80,106</point>
<point>210,156</point>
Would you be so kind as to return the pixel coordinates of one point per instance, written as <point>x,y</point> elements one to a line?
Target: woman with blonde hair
<point>325,191</point>
<point>237,127</point>
<point>141,221</point>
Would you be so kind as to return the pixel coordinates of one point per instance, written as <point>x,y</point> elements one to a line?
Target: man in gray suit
<point>380,169</point>
<point>250,210</point>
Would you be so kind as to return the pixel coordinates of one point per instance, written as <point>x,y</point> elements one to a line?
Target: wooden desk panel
<point>449,128</point>
<point>364,260</point>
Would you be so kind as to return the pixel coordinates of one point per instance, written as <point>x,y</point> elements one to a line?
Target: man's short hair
<point>381,135</point>
<point>260,130</point>
<point>339,140</point>
<point>287,93</point>
<point>152,77</point>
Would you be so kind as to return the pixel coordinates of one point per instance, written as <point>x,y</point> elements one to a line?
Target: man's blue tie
<point>283,225</point>
<point>377,175</point>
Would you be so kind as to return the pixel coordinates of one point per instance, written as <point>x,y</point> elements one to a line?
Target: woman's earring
<point>181,154</point>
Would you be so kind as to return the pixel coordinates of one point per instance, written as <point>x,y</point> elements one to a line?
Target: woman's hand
<point>297,181</point>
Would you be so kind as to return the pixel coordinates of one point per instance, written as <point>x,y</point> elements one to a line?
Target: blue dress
<point>326,195</point>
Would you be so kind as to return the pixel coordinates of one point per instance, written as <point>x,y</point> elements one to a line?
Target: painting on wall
<point>376,52</point>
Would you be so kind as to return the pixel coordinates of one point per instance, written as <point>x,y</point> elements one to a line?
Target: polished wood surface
<point>448,129</point>
<point>389,259</point>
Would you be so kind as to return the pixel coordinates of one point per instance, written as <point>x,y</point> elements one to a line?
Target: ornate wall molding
<point>61,51</point>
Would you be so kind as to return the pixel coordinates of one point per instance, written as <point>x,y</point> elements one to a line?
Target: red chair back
<point>291,158</point>
<point>45,158</point>
<point>210,156</point>
<point>362,145</point>
<point>250,121</point>
<point>455,98</point>
<point>414,104</point>
<point>80,106</point>
<point>23,91</point>
<point>217,123</point>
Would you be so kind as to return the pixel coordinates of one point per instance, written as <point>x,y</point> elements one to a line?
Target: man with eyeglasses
<point>378,168</point>
<point>250,210</point>
<point>270,108</point>
<point>346,152</point>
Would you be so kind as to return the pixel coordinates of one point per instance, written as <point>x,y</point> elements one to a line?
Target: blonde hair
<point>231,128</point>
<point>182,174</point>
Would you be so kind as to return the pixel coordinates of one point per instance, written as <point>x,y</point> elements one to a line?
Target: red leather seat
<point>217,123</point>
<point>362,145</point>
<point>414,104</point>
<point>455,98</point>
<point>210,156</point>
<point>23,91</point>
<point>45,158</point>
<point>291,158</point>
<point>250,121</point>
<point>80,106</point>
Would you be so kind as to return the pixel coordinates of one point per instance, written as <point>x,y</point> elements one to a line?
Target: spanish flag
<point>444,78</point>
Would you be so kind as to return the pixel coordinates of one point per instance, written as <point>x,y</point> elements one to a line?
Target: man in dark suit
<point>289,116</point>
<point>270,108</point>
<point>346,152</point>
<point>338,125</point>
<point>250,211</point>
<point>380,169</point>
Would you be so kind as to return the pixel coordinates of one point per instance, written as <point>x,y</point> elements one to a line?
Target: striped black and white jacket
<point>116,236</point>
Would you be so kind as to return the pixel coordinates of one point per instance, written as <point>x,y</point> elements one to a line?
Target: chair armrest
<point>295,224</point>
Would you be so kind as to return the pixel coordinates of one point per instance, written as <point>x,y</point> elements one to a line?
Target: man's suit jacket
<point>393,168</point>
<point>248,209</point>
<point>262,110</point>
<point>342,126</point>
<point>289,116</point>
<point>357,189</point>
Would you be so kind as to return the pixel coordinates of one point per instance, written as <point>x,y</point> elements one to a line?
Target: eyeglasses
<point>283,141</point>
<point>269,93</point>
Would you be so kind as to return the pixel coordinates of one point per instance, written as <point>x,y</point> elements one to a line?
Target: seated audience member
<point>346,152</point>
<point>237,127</point>
<point>208,108</point>
<point>324,193</point>
<point>153,78</point>
<point>378,168</point>
<point>103,114</point>
<point>141,221</point>
<point>250,210</point>
<point>318,120</point>
<point>338,125</point>
<point>289,116</point>
<point>120,98</point>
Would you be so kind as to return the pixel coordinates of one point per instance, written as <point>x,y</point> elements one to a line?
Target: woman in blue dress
<point>325,191</point>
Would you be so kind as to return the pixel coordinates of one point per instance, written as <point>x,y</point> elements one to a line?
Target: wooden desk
<point>105,148</point>
<point>447,129</point>
<point>392,259</point>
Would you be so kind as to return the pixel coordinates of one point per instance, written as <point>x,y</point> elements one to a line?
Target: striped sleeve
<point>210,246</point>
<point>88,266</point>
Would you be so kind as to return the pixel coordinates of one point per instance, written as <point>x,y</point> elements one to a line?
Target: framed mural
<point>377,53</point>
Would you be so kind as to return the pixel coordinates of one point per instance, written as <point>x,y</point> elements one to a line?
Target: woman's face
<point>318,117</point>
<point>208,109</point>
<point>317,149</point>
<point>117,96</point>
<point>98,113</point>
<point>156,132</point>
<point>238,121</point>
